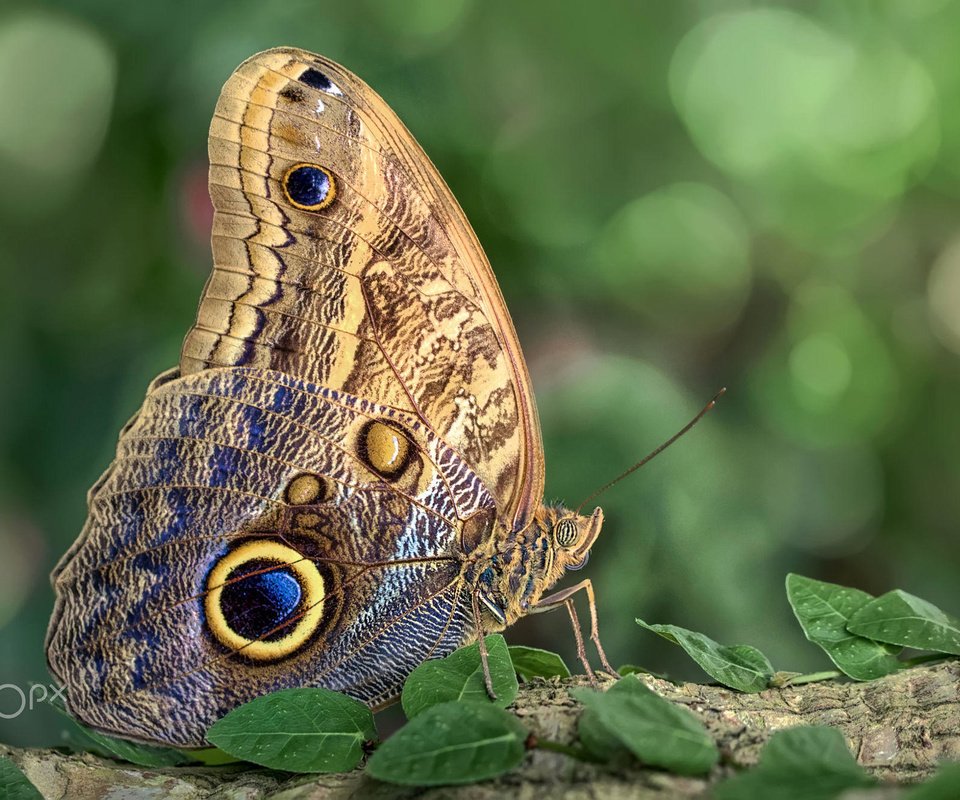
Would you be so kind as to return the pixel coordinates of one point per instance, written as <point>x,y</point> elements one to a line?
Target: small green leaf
<point>213,757</point>
<point>14,785</point>
<point>901,618</point>
<point>84,739</point>
<point>738,666</point>
<point>451,743</point>
<point>823,611</point>
<point>140,754</point>
<point>808,763</point>
<point>459,676</point>
<point>594,736</point>
<point>531,662</point>
<point>655,730</point>
<point>944,785</point>
<point>297,730</point>
<point>634,669</point>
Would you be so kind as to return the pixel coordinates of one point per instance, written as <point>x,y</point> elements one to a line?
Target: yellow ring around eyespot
<point>327,200</point>
<point>311,584</point>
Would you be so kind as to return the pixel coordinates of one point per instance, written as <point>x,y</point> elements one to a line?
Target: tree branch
<point>899,727</point>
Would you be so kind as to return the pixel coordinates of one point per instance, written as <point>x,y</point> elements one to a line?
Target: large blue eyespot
<point>258,598</point>
<point>263,600</point>
<point>309,186</point>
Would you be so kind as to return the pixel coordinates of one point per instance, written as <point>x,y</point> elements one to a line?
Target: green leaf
<point>634,669</point>
<point>595,737</point>
<point>85,739</point>
<point>459,676</point>
<point>213,757</point>
<point>297,730</point>
<point>738,666</point>
<point>143,755</point>
<point>901,618</point>
<point>823,611</point>
<point>531,662</point>
<point>655,730</point>
<point>14,785</point>
<point>944,785</point>
<point>808,763</point>
<point>451,743</point>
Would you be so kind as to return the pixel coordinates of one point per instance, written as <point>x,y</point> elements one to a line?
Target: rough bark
<point>899,727</point>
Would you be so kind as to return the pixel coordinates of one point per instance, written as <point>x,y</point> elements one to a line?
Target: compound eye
<point>566,532</point>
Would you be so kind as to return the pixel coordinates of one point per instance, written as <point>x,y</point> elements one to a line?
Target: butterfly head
<point>573,535</point>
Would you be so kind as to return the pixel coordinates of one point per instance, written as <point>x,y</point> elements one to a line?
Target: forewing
<point>385,293</point>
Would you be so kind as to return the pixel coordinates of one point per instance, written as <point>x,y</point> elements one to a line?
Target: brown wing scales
<point>384,294</point>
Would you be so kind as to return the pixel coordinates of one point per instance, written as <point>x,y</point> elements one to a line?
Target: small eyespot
<point>264,600</point>
<point>307,489</point>
<point>566,532</point>
<point>316,79</point>
<point>385,449</point>
<point>309,186</point>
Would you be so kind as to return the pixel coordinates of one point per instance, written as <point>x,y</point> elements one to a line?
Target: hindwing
<point>210,466</point>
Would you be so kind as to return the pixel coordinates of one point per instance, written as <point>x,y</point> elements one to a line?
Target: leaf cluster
<point>861,634</point>
<point>457,734</point>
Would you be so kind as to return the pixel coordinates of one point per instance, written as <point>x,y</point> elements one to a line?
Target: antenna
<point>656,452</point>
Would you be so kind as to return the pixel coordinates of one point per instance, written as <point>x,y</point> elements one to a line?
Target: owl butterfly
<point>344,475</point>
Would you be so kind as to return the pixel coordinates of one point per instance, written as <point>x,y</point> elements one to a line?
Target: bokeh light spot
<point>821,363</point>
<point>748,85</point>
<point>421,25</point>
<point>57,80</point>
<point>679,256</point>
<point>797,111</point>
<point>23,544</point>
<point>943,296</point>
<point>828,378</point>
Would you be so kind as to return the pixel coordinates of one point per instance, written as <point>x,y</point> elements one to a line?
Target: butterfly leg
<point>565,597</point>
<point>578,635</point>
<point>484,656</point>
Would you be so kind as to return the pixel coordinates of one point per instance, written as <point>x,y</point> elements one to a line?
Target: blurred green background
<point>675,196</point>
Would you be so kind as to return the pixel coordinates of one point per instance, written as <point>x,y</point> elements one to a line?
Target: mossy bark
<point>899,728</point>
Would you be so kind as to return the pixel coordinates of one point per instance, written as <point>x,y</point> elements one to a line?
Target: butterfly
<point>343,477</point>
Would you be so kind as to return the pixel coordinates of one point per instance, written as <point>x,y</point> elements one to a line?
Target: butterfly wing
<point>254,470</point>
<point>383,291</point>
<point>286,509</point>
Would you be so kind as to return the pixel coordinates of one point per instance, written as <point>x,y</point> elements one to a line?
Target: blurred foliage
<point>675,196</point>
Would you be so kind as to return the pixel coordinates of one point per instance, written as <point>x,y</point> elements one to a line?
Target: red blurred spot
<point>195,206</point>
